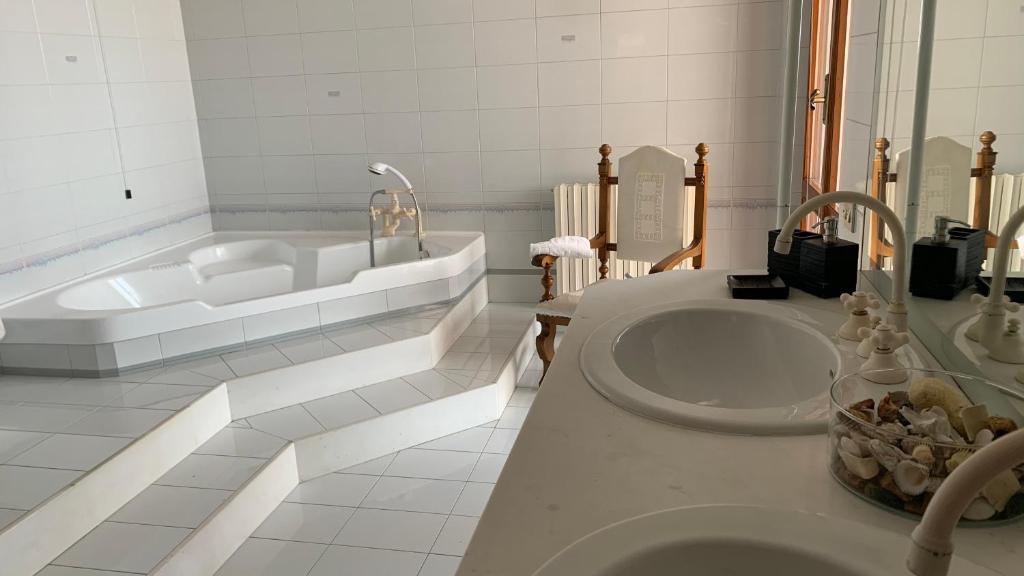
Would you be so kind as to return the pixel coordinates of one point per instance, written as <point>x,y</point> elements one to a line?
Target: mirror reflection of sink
<point>998,371</point>
<point>737,366</point>
<point>738,540</point>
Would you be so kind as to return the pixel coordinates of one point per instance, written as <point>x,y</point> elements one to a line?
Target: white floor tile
<point>351,561</point>
<point>41,417</point>
<point>70,452</point>
<point>205,471</point>
<point>308,348</point>
<point>502,440</point>
<point>14,442</point>
<point>488,468</point>
<point>161,396</point>
<point>123,547</point>
<point>529,380</point>
<point>483,345</point>
<point>69,571</point>
<point>171,506</point>
<point>411,531</point>
<point>473,499</point>
<point>242,442</point>
<point>25,488</point>
<point>433,384</point>
<point>292,423</point>
<point>7,516</point>
<point>76,391</point>
<point>340,410</point>
<point>127,422</point>
<point>462,361</point>
<point>374,467</point>
<point>256,360</point>
<point>436,464</point>
<point>358,337</point>
<point>513,417</point>
<point>455,536</point>
<point>259,557</point>
<point>212,367</point>
<point>414,495</point>
<point>471,440</point>
<point>333,489</point>
<point>440,565</point>
<point>391,395</point>
<point>523,397</point>
<point>463,378</point>
<point>179,375</point>
<point>304,523</point>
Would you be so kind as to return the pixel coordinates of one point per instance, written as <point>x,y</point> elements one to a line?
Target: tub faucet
<point>931,547</point>
<point>380,168</point>
<point>1002,339</point>
<point>897,310</point>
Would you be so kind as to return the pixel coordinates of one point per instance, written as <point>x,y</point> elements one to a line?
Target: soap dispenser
<point>829,265</point>
<point>948,261</point>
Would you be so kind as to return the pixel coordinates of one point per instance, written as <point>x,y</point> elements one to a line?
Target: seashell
<point>931,392</point>
<point>863,410</point>
<point>910,442</point>
<point>851,447</point>
<point>974,419</point>
<point>887,455</point>
<point>893,428</point>
<point>861,467</point>
<point>1000,425</point>
<point>983,437</point>
<point>888,483</point>
<point>957,459</point>
<point>933,484</point>
<point>889,406</point>
<point>1000,489</point>
<point>933,423</point>
<point>979,509</point>
<point>840,430</point>
<point>923,455</point>
<point>911,477</point>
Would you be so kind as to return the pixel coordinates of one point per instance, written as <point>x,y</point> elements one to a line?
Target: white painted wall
<point>95,97</point>
<point>484,104</point>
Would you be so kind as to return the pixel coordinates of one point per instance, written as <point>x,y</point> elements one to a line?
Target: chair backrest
<point>947,174</point>
<point>651,204</point>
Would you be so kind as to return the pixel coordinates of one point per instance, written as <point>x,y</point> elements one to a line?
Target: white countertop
<point>581,463</point>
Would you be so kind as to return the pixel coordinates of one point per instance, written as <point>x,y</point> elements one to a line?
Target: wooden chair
<point>982,172</point>
<point>553,311</point>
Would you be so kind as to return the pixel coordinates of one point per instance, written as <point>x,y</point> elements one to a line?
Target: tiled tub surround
<point>95,98</point>
<point>225,290</point>
<point>485,105</point>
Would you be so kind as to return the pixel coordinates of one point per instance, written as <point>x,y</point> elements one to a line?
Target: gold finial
<point>605,150</point>
<point>702,150</point>
<point>882,144</point>
<point>987,138</point>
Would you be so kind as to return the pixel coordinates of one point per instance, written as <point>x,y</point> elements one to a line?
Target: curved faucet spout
<point>932,540</point>
<point>1003,345</point>
<point>897,310</point>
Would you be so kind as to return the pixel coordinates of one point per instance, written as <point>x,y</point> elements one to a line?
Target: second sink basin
<point>724,365</point>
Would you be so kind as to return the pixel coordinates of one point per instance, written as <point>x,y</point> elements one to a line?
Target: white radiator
<point>576,214</point>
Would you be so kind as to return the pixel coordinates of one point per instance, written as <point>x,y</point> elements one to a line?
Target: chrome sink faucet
<point>897,309</point>
<point>1002,339</point>
<point>932,540</point>
<point>380,169</point>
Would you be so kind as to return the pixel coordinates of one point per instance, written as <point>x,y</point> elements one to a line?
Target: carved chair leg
<point>546,344</point>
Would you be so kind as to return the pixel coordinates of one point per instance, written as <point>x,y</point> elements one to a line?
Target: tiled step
<point>200,511</point>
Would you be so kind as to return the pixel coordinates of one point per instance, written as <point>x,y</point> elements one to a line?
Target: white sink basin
<point>724,365</point>
<point>738,541</point>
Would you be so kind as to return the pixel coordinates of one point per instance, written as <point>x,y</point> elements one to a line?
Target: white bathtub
<point>228,288</point>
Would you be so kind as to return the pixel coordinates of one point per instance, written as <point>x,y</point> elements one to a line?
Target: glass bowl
<point>876,434</point>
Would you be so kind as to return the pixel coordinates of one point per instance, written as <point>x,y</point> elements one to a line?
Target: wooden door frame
<point>834,100</point>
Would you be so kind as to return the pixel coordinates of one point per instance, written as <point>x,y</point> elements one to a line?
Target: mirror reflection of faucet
<point>1000,336</point>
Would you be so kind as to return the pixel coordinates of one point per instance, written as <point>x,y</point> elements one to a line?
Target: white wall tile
<point>760,26</point>
<point>324,15</point>
<point>1003,18</point>
<point>289,174</point>
<point>568,165</point>
<point>445,46</point>
<point>506,42</point>
<point>507,86</point>
<point>1001,66</point>
<point>208,59</point>
<point>634,79</point>
<point>700,121</point>
<point>509,129</point>
<point>72,59</point>
<point>284,135</point>
<point>569,126</point>
<point>334,93</point>
<point>695,76</point>
<point>383,13</point>
<point>279,96</point>
<point>702,29</point>
<point>455,131</point>
<point>229,137</point>
<point>64,17</point>
<point>511,171</point>
<point>17,16</point>
<point>641,33</point>
<point>393,132</point>
<point>230,98</point>
<point>758,73</point>
<point>329,53</point>
<point>342,174</point>
<point>277,55</point>
<point>234,175</point>
<point>21,59</point>
<point>207,19</point>
<point>568,83</point>
<point>567,7</point>
<point>453,174</point>
<point>451,89</point>
<point>426,12</point>
<point>386,49</point>
<point>569,38</point>
<point>634,124</point>
<point>390,91</point>
<point>503,9</point>
<point>115,18</point>
<point>270,16</point>
<point>338,134</point>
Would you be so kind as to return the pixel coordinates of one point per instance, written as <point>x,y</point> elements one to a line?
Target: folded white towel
<point>563,247</point>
